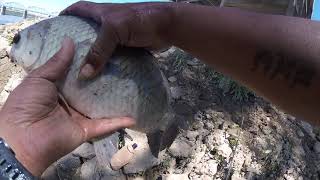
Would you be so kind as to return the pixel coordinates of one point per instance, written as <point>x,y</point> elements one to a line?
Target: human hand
<point>39,126</point>
<point>134,25</point>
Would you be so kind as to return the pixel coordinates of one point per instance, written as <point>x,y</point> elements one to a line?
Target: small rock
<point>198,125</point>
<point>300,133</point>
<point>8,49</point>
<point>316,147</point>
<point>50,173</point>
<point>268,151</point>
<point>209,125</point>
<point>137,178</point>
<point>224,150</point>
<point>214,139</point>
<point>266,130</point>
<point>206,177</point>
<point>289,177</point>
<point>88,169</point>
<point>172,79</point>
<point>308,128</point>
<point>188,74</point>
<point>175,177</point>
<point>180,148</point>
<point>3,53</point>
<point>236,176</point>
<point>165,54</point>
<point>233,132</point>
<point>67,166</point>
<point>12,83</point>
<point>193,62</point>
<point>212,167</point>
<point>178,171</point>
<point>290,171</point>
<point>291,118</point>
<point>176,92</point>
<point>163,67</point>
<point>161,59</point>
<point>268,119</point>
<point>86,150</point>
<point>172,50</point>
<point>192,135</point>
<point>192,174</point>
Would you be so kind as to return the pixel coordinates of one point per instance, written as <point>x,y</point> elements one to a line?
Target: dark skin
<point>276,56</point>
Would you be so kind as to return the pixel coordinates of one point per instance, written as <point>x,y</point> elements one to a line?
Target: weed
<point>233,142</point>
<point>10,40</point>
<point>231,87</point>
<point>166,163</point>
<point>220,159</point>
<point>179,59</point>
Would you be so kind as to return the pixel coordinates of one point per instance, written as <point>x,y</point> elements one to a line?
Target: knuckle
<point>117,29</point>
<point>55,58</point>
<point>96,55</point>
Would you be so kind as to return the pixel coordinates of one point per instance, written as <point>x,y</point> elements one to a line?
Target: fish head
<point>27,45</point>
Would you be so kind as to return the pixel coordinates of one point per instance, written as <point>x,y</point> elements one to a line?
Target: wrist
<point>160,16</point>
<point>10,166</point>
<point>28,160</point>
<point>35,168</point>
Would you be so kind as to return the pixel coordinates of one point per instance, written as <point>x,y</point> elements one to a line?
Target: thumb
<point>100,52</point>
<point>102,127</point>
<point>56,66</point>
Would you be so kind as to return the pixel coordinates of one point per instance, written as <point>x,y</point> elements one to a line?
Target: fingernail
<point>86,72</point>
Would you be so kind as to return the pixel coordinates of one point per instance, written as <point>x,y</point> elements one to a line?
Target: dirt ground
<point>220,138</point>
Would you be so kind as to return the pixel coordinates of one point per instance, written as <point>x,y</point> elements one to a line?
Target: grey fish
<point>130,85</point>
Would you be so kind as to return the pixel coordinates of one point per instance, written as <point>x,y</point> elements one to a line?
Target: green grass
<point>230,87</point>
<point>166,163</point>
<point>179,60</point>
<point>10,40</point>
<point>233,142</point>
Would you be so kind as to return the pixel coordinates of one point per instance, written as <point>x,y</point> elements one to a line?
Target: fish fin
<point>160,140</point>
<point>154,141</point>
<point>169,136</point>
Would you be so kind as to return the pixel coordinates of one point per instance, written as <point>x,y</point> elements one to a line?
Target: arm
<point>276,56</point>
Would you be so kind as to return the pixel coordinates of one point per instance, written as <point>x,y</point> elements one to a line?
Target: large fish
<point>130,85</point>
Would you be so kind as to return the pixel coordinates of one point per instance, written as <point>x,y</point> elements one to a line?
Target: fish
<point>131,84</point>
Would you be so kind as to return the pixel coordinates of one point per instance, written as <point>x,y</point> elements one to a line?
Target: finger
<point>99,53</point>
<point>56,67</point>
<point>97,128</point>
<point>83,9</point>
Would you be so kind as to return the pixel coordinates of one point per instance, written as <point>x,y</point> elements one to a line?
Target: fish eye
<point>16,38</point>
